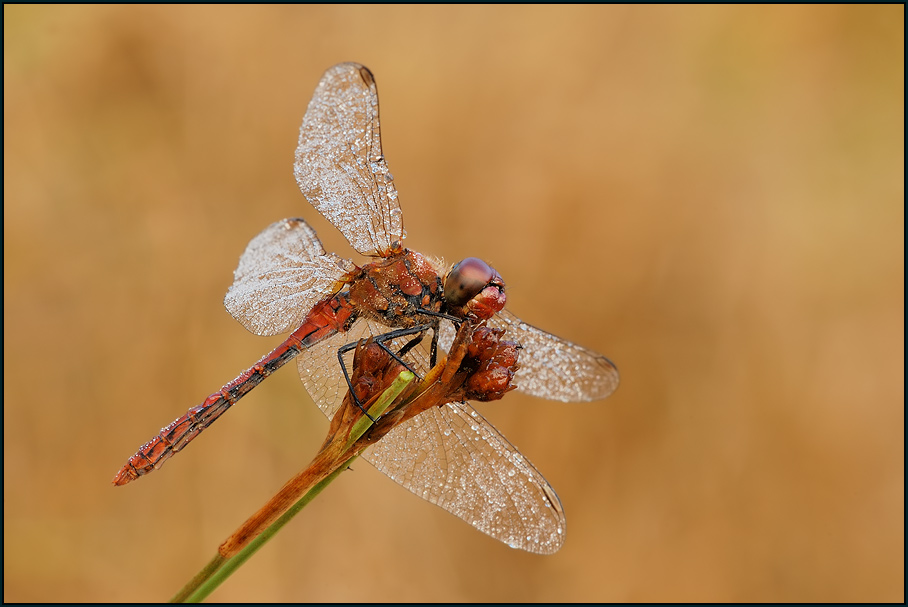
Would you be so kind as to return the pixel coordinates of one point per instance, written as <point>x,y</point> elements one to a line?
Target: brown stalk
<point>478,367</point>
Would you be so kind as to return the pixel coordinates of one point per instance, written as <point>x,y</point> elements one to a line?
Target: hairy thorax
<point>395,288</point>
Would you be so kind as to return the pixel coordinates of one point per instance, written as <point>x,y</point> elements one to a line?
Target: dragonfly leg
<point>381,340</point>
<point>409,346</point>
<point>343,366</point>
<point>454,320</point>
<point>419,332</point>
<point>433,351</point>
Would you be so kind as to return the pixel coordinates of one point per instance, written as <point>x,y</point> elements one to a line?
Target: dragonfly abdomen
<point>328,317</point>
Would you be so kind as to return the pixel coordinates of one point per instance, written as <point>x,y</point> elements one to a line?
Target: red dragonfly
<point>285,281</point>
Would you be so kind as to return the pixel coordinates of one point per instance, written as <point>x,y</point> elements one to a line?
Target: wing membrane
<point>551,367</point>
<point>555,368</point>
<point>282,273</point>
<point>339,163</point>
<point>450,456</point>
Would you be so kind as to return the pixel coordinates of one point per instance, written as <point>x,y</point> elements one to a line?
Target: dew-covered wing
<point>551,367</point>
<point>339,163</point>
<point>453,457</point>
<point>320,369</point>
<point>450,455</point>
<point>282,273</point>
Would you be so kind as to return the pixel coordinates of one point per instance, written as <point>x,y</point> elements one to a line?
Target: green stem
<point>220,568</point>
<point>228,566</point>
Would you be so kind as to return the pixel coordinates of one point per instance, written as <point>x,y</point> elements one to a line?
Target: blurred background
<point>713,197</point>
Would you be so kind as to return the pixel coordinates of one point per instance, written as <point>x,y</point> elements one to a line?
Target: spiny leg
<point>380,340</point>
<point>412,344</point>
<point>433,352</point>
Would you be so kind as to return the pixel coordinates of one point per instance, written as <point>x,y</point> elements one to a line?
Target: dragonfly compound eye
<point>466,279</point>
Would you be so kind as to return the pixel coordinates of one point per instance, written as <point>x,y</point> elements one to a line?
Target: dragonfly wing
<point>339,164</point>
<point>451,456</point>
<point>282,273</point>
<point>320,370</point>
<point>551,367</point>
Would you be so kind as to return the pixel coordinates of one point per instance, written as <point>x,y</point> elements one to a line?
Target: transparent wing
<point>551,367</point>
<point>339,163</point>
<point>283,272</point>
<point>320,370</point>
<point>450,456</point>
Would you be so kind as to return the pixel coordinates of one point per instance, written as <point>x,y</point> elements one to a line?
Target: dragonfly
<point>285,281</point>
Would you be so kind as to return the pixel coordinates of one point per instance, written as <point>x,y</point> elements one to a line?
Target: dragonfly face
<point>473,288</point>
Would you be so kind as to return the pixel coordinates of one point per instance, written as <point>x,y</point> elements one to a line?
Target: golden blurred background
<point>712,196</point>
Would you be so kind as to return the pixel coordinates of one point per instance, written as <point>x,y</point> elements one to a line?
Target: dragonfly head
<point>473,288</point>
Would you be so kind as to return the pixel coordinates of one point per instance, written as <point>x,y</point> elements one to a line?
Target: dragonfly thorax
<point>395,289</point>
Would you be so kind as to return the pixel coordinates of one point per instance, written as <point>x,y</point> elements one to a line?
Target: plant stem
<point>332,459</point>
